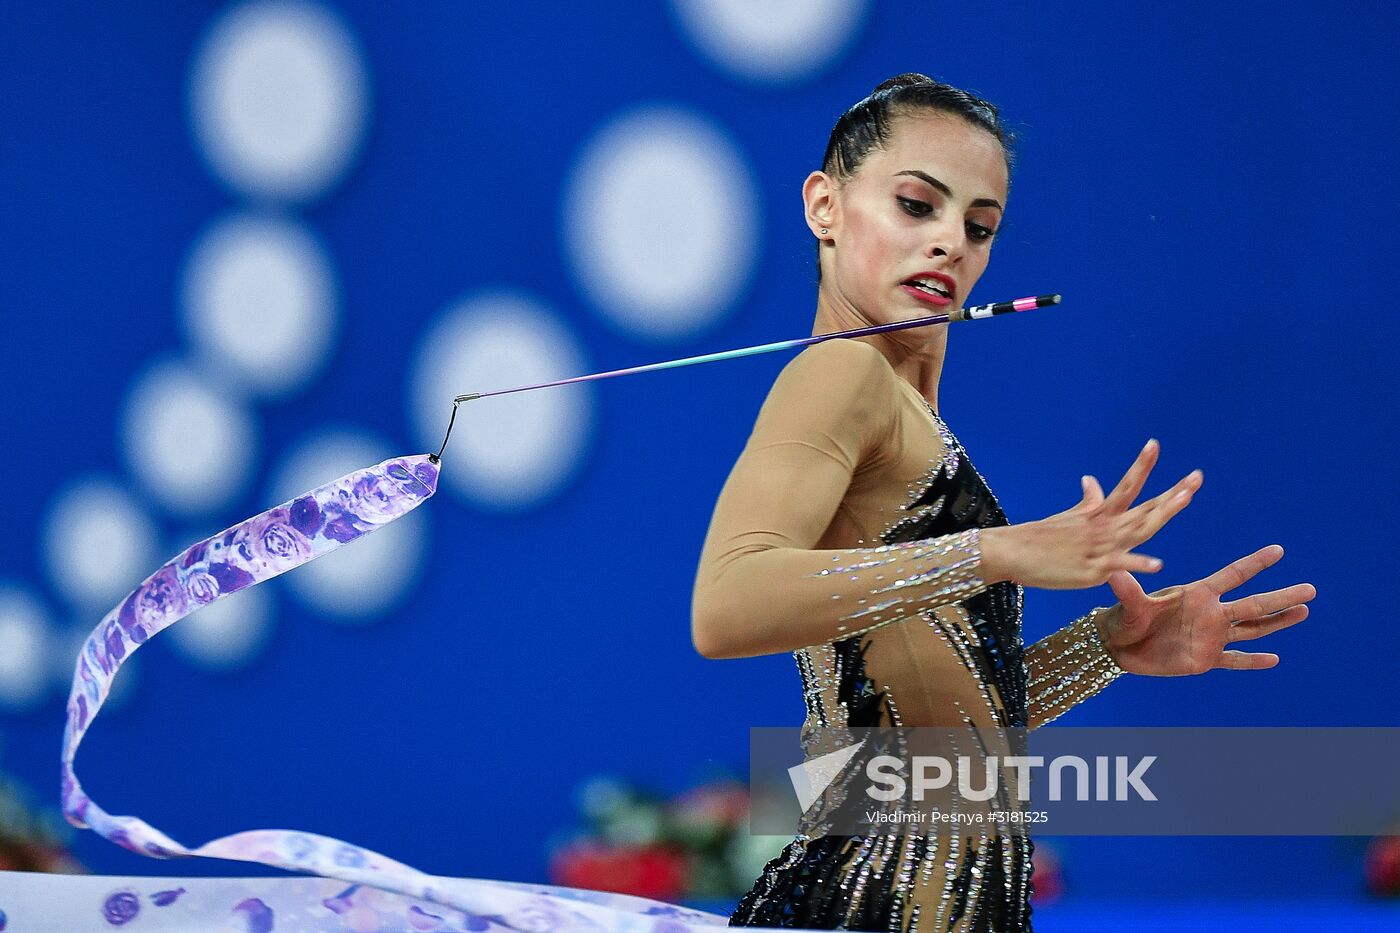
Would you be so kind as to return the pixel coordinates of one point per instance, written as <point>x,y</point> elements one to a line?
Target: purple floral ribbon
<point>245,555</point>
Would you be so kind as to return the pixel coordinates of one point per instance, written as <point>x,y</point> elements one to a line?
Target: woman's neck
<point>916,355</point>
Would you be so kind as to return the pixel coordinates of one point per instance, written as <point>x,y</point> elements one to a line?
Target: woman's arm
<point>761,587</point>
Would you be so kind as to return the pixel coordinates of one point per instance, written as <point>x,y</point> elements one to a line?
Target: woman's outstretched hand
<point>1184,629</point>
<point>1176,631</point>
<point>1083,546</point>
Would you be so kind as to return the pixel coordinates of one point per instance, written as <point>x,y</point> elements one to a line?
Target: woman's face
<point>911,232</point>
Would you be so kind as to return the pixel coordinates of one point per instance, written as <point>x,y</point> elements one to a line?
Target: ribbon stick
<point>975,313</point>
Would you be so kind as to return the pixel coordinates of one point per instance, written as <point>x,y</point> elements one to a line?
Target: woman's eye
<point>979,232</point>
<point>913,207</point>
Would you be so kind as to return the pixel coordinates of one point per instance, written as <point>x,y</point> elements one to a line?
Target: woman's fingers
<point>1132,482</point>
<point>1180,492</point>
<point>1246,661</point>
<point>1189,485</point>
<point>1126,587</point>
<point>1263,604</point>
<point>1147,519</point>
<point>1239,572</point>
<point>1139,563</point>
<point>1092,495</point>
<point>1250,629</point>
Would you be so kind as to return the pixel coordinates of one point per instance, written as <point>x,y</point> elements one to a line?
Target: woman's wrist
<point>996,559</point>
<point>1107,624</point>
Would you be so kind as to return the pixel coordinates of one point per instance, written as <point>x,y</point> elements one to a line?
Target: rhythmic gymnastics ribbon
<point>282,539</point>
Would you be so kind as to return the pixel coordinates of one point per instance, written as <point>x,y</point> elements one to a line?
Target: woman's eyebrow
<point>980,202</point>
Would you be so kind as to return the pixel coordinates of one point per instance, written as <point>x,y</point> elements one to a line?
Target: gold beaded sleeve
<point>1066,668</point>
<point>762,586</point>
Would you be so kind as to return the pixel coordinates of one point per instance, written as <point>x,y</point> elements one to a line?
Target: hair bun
<point>908,79</point>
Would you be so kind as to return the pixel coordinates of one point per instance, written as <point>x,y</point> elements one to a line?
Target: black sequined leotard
<point>915,637</point>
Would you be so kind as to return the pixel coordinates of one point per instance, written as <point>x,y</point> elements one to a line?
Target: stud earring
<point>825,231</point>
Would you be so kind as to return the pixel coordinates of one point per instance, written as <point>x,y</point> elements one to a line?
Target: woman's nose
<point>947,241</point>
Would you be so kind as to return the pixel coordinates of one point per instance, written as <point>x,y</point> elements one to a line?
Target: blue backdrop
<point>588,186</point>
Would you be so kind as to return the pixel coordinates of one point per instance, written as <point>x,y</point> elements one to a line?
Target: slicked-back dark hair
<point>867,124</point>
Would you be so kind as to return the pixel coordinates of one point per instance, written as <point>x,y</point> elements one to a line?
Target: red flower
<point>1047,880</point>
<point>1383,866</point>
<point>655,871</point>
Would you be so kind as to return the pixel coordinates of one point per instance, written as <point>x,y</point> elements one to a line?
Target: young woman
<point>850,468</point>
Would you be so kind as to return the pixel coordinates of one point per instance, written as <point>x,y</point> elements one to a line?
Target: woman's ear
<point>819,198</point>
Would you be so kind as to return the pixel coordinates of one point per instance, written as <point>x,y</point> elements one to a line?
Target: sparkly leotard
<point>907,632</point>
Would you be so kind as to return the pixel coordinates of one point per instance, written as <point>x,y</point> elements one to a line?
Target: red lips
<point>948,282</point>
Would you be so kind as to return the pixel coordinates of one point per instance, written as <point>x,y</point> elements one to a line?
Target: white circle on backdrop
<point>661,222</point>
<point>64,648</point>
<point>259,302</point>
<point>24,649</point>
<point>228,633</point>
<point>98,543</point>
<point>189,440</point>
<point>280,99</point>
<point>366,578</point>
<point>772,41</point>
<point>511,451</point>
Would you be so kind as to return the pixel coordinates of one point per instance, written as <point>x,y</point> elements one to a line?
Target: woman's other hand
<point>1184,629</point>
